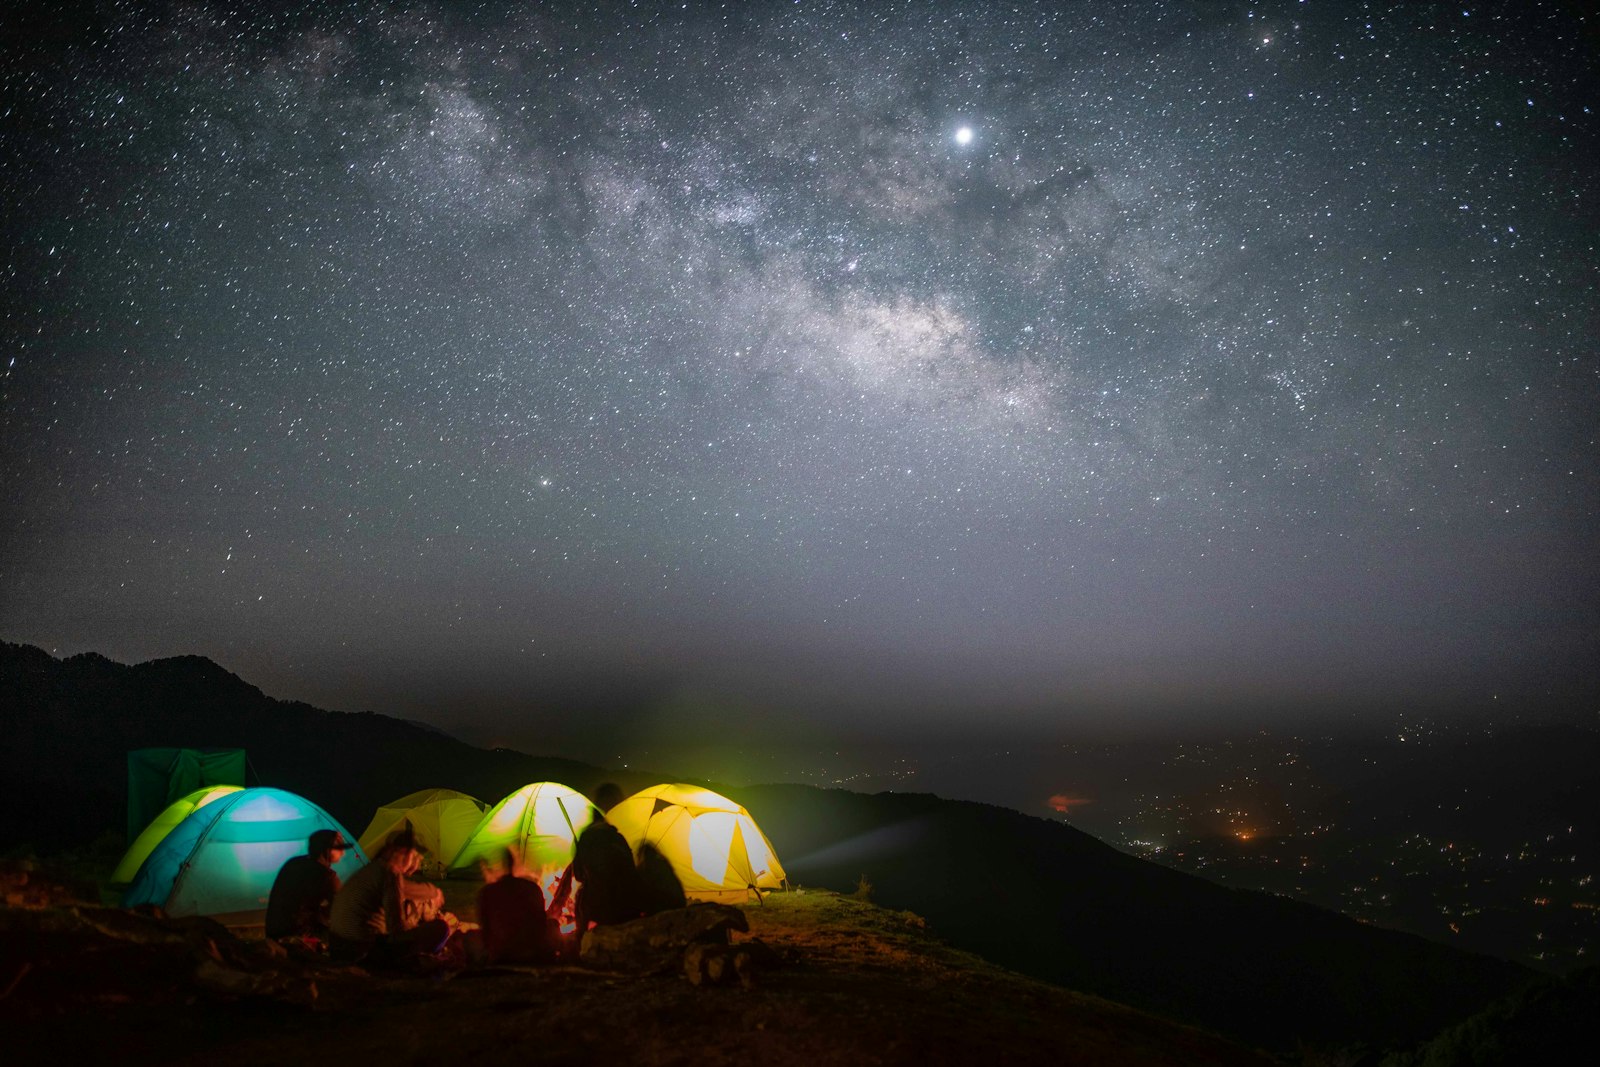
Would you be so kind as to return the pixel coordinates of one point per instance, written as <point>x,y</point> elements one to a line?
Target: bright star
<point>964,135</point>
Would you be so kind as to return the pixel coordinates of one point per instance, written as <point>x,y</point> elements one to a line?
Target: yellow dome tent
<point>540,822</point>
<point>714,846</point>
<point>161,826</point>
<point>442,820</point>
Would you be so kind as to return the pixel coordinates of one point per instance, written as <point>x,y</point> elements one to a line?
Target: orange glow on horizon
<point>1065,802</point>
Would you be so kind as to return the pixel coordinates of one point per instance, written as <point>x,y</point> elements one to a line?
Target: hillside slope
<point>863,985</point>
<point>1050,901</point>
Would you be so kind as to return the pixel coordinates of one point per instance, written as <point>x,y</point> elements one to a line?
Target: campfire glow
<point>565,910</point>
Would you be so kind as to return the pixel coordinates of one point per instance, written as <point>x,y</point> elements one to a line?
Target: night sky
<point>554,374</point>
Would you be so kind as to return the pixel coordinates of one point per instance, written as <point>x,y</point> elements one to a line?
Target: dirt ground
<point>858,984</point>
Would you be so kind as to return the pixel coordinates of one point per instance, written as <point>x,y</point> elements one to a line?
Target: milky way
<point>822,363</point>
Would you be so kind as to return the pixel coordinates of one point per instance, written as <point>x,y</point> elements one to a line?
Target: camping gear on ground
<point>715,847</point>
<point>539,822</point>
<point>161,826</point>
<point>159,776</point>
<point>223,858</point>
<point>441,819</point>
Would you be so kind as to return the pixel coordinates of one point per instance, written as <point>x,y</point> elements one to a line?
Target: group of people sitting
<point>384,917</point>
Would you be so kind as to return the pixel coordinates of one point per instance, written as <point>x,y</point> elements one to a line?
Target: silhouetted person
<point>512,916</point>
<point>659,888</point>
<point>305,887</point>
<point>603,865</point>
<point>370,919</point>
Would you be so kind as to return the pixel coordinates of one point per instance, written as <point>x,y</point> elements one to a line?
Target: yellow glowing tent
<point>540,822</point>
<point>161,826</point>
<point>442,819</point>
<point>714,846</point>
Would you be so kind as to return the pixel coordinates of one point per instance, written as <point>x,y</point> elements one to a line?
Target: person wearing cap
<point>305,887</point>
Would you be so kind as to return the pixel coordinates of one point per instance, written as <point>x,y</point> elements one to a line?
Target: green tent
<point>539,822</point>
<point>159,776</point>
<point>161,826</point>
<point>442,820</point>
<point>223,858</point>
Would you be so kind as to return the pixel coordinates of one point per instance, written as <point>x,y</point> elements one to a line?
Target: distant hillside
<point>1032,895</point>
<point>1047,900</point>
<point>69,724</point>
<point>1551,1021</point>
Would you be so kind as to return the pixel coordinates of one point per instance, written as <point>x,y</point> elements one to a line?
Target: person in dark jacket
<point>305,887</point>
<point>659,887</point>
<point>512,917</point>
<point>603,865</point>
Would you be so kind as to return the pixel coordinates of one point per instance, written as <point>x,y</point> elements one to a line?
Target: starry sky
<point>565,373</point>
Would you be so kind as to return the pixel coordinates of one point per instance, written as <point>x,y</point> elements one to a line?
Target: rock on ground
<point>656,943</point>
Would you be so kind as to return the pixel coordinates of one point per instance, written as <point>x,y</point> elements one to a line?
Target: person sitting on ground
<point>659,887</point>
<point>511,915</point>
<point>370,919</point>
<point>297,907</point>
<point>603,865</point>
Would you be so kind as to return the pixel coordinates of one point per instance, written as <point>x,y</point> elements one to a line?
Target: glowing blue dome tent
<point>223,858</point>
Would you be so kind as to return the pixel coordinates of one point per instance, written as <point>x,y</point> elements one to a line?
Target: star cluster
<point>830,361</point>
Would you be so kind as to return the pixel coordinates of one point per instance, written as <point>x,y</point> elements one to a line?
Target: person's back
<point>603,865</point>
<point>511,913</point>
<point>659,887</point>
<point>604,868</point>
<point>299,899</point>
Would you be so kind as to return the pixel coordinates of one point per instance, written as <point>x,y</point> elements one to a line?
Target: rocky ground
<point>825,979</point>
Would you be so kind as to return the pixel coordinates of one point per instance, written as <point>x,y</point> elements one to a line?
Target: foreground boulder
<point>52,959</point>
<point>24,885</point>
<point>656,943</point>
<point>708,964</point>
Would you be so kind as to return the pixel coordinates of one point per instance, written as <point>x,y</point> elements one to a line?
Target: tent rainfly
<point>442,820</point>
<point>540,822</point>
<point>159,776</point>
<point>714,846</point>
<point>223,858</point>
<point>161,826</point>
